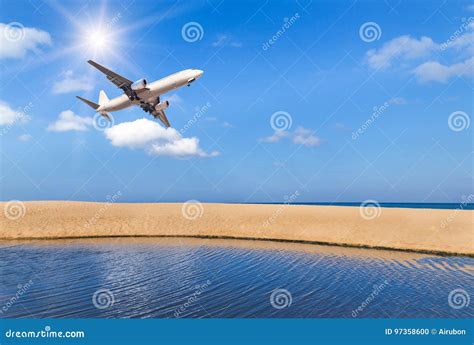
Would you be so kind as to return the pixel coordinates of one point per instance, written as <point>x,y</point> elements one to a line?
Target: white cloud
<point>464,41</point>
<point>402,48</point>
<point>303,136</point>
<point>25,137</point>
<point>139,133</point>
<point>276,137</point>
<point>434,71</point>
<point>223,40</point>
<point>397,101</point>
<point>9,116</point>
<point>300,136</point>
<point>70,83</point>
<point>405,49</point>
<point>16,40</point>
<point>68,121</point>
<point>183,147</point>
<point>215,120</point>
<point>155,139</point>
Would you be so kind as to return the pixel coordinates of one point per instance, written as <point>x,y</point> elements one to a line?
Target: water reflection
<point>225,278</point>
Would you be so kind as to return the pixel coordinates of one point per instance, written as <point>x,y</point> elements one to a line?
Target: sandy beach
<point>421,230</point>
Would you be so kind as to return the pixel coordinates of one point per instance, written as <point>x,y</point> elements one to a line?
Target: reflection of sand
<point>437,231</point>
<point>327,250</point>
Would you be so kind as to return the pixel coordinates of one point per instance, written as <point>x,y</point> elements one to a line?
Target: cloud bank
<point>402,48</point>
<point>435,71</point>
<point>224,40</point>
<point>71,83</point>
<point>69,121</point>
<point>7,115</point>
<point>16,40</point>
<point>300,136</point>
<point>25,137</point>
<point>410,52</point>
<point>155,139</point>
<point>10,116</point>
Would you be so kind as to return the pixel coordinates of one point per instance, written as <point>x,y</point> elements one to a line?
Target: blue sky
<point>369,100</point>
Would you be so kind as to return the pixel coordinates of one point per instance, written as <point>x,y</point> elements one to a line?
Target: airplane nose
<point>199,73</point>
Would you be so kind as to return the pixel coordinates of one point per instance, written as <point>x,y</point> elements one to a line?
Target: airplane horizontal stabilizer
<point>106,115</point>
<point>89,103</point>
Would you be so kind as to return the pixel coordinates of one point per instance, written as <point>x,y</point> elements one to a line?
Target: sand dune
<point>422,230</point>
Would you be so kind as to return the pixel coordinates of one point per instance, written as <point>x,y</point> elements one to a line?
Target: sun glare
<point>98,40</point>
<point>100,35</point>
<point>97,37</point>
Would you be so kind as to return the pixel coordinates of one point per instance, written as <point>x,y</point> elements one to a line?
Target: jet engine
<point>138,85</point>
<point>162,105</point>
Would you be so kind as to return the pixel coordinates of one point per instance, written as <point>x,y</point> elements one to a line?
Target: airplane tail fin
<point>89,103</point>
<point>103,97</point>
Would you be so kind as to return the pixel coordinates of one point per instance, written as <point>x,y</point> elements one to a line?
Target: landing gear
<point>147,108</point>
<point>132,95</point>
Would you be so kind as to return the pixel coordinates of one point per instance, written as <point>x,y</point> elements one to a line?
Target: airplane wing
<point>115,78</point>
<point>162,116</point>
<point>157,114</point>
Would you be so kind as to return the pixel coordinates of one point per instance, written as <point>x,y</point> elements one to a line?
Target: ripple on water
<point>226,278</point>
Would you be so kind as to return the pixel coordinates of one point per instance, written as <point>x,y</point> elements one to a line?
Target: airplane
<point>141,93</point>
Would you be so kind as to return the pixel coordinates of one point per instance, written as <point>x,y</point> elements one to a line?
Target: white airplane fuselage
<point>155,89</point>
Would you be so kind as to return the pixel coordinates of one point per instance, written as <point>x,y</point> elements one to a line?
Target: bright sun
<point>99,40</point>
<point>95,35</point>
